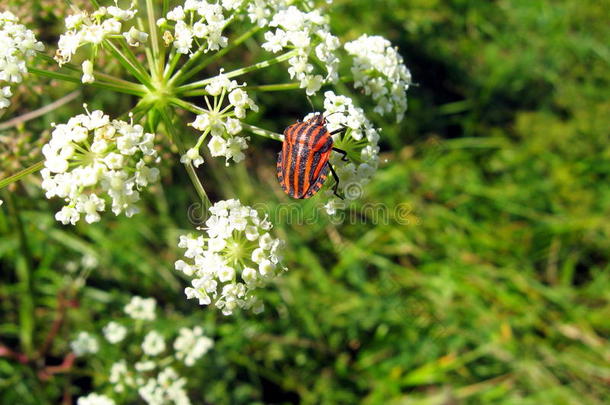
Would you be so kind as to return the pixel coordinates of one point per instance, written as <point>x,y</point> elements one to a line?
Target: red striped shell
<point>302,165</point>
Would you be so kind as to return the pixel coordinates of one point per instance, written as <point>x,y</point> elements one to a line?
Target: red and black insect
<point>302,165</point>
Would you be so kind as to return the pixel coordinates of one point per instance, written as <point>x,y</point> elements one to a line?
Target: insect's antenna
<point>336,112</point>
<point>313,109</point>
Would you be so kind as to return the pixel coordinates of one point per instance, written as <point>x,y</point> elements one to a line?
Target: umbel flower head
<point>149,370</point>
<point>17,43</point>
<point>222,123</point>
<point>380,71</point>
<point>234,257</point>
<point>91,160</point>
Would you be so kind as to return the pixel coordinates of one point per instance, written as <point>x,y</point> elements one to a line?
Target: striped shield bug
<point>303,164</point>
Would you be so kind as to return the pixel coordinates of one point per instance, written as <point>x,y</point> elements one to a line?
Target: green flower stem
<point>134,69</point>
<point>253,129</point>
<point>274,87</point>
<point>97,83</point>
<point>132,56</point>
<point>96,74</point>
<point>198,110</point>
<point>152,25</point>
<point>194,93</point>
<point>279,86</point>
<point>161,42</point>
<point>184,73</point>
<point>175,137</point>
<point>150,59</point>
<point>238,72</point>
<point>263,132</point>
<point>171,64</point>
<point>19,175</point>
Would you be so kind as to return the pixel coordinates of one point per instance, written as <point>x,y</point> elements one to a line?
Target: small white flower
<point>153,343</point>
<point>5,94</point>
<point>141,308</point>
<point>192,156</point>
<point>114,332</point>
<point>217,146</point>
<point>84,343</point>
<point>87,72</point>
<point>135,37</point>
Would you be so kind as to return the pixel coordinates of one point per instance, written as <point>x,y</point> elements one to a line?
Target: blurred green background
<point>495,290</point>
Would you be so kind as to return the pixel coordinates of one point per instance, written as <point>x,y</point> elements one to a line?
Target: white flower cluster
<point>95,399</point>
<point>380,71</point>
<point>141,308</point>
<point>163,385</point>
<point>17,43</point>
<point>360,140</point>
<point>308,33</point>
<point>84,343</point>
<point>235,257</point>
<point>91,152</point>
<point>166,388</point>
<point>191,344</point>
<point>114,332</point>
<point>84,28</point>
<point>197,21</point>
<point>223,123</point>
<point>153,343</point>
<point>150,369</point>
<point>261,11</point>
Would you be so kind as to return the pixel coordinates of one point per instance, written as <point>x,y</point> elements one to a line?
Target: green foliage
<point>483,277</point>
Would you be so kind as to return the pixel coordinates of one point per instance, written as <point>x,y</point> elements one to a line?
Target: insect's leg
<point>336,131</point>
<point>332,170</point>
<point>344,153</point>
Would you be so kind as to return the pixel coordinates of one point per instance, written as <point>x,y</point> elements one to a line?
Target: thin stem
<point>152,25</point>
<point>263,132</point>
<point>97,74</point>
<point>19,175</point>
<point>134,69</point>
<point>275,87</point>
<point>184,73</point>
<point>162,47</point>
<point>152,63</point>
<point>132,56</point>
<point>171,64</point>
<point>238,72</point>
<point>187,106</point>
<point>96,83</point>
<point>175,136</point>
<point>253,129</point>
<point>194,93</point>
